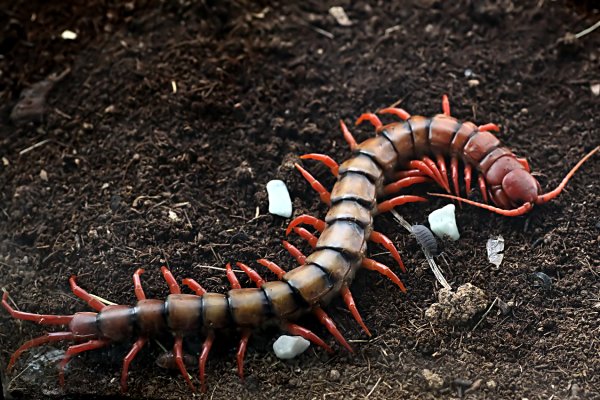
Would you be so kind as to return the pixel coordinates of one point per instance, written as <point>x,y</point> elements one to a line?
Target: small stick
<point>588,30</point>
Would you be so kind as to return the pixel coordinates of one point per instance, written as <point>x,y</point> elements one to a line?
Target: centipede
<point>401,154</point>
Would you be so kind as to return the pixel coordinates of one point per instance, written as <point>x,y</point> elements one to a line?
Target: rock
<point>288,347</point>
<point>443,222</point>
<point>434,381</point>
<point>279,199</point>
<point>457,308</point>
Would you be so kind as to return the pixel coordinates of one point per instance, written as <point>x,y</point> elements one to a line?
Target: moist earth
<point>156,147</point>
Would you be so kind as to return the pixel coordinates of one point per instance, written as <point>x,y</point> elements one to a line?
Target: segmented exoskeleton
<point>400,152</point>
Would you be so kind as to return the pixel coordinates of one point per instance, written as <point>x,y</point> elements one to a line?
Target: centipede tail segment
<point>402,154</point>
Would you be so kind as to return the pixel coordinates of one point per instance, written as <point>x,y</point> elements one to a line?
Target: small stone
<point>473,82</point>
<point>495,250</point>
<point>279,199</point>
<point>434,381</point>
<point>595,89</point>
<point>68,35</point>
<point>44,175</point>
<point>457,308</point>
<point>110,109</point>
<point>334,375</point>
<point>340,16</point>
<point>468,73</point>
<point>288,347</point>
<point>443,222</point>
<point>87,126</point>
<point>491,384</point>
<point>5,161</point>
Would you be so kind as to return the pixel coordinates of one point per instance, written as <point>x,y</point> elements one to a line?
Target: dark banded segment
<point>362,164</point>
<point>350,210</point>
<point>184,313</point>
<point>478,146</point>
<point>381,151</point>
<point>400,135</point>
<point>331,262</point>
<point>420,131</point>
<point>281,298</point>
<point>116,322</point>
<point>441,133</point>
<point>215,311</point>
<point>248,307</point>
<point>352,186</point>
<point>345,236</point>
<point>464,133</point>
<point>151,317</point>
<point>310,282</point>
<point>490,159</point>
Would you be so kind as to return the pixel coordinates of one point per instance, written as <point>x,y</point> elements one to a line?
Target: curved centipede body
<point>398,157</point>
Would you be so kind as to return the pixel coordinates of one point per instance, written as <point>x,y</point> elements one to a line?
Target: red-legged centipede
<point>397,157</point>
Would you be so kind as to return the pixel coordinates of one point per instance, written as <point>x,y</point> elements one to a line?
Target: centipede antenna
<point>544,198</point>
<point>515,212</point>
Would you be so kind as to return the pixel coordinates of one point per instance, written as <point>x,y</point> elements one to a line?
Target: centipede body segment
<point>401,154</point>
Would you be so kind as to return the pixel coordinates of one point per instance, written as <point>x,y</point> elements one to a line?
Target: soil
<point>157,145</point>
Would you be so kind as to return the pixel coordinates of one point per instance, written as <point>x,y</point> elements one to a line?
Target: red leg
<point>242,352</point>
<point>426,170</point>
<point>408,173</point>
<point>204,356</point>
<point>441,163</point>
<point>454,173</point>
<point>274,268</point>
<point>171,282</point>
<point>324,195</point>
<point>38,341</point>
<point>294,251</point>
<point>195,286</point>
<point>76,349</point>
<point>330,325</point>
<point>297,330</point>
<point>397,201</point>
<point>399,112</point>
<point>316,223</point>
<point>306,235</point>
<point>373,265</point>
<point>347,296</point>
<point>488,127</point>
<point>137,346</point>
<point>42,319</point>
<point>372,118</point>
<point>468,176</point>
<point>383,240</point>
<point>404,183</point>
<point>445,105</point>
<point>85,296</point>
<point>525,208</point>
<point>325,159</point>
<point>137,285</point>
<point>348,136</point>
<point>233,280</point>
<point>482,187</point>
<point>178,352</point>
<point>441,181</point>
<point>524,163</point>
<point>252,274</point>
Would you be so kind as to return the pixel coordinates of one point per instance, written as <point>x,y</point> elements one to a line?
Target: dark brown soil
<point>257,85</point>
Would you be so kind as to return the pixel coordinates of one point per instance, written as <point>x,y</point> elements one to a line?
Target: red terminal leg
<point>454,173</point>
<point>85,296</point>
<point>445,105</point>
<point>74,350</point>
<point>306,235</point>
<point>373,265</point>
<point>252,274</point>
<point>348,136</point>
<point>330,325</point>
<point>404,183</point>
<point>347,296</point>
<point>383,240</point>
<point>294,251</point>
<point>135,349</point>
<point>397,201</point>
<point>297,330</point>
<point>515,212</point>
<point>316,223</point>
<point>372,118</point>
<point>488,127</point>
<point>42,319</point>
<point>468,177</point>
<point>315,184</point>
<point>204,356</point>
<point>38,341</point>
<point>178,353</point>
<point>241,353</point>
<point>325,159</point>
<point>233,280</point>
<point>482,187</point>
<point>171,282</point>
<point>441,163</point>
<point>195,286</point>
<point>399,112</point>
<point>137,285</point>
<point>408,173</point>
<point>271,266</point>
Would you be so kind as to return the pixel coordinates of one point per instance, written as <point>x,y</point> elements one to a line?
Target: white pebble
<point>443,222</point>
<point>595,89</point>
<point>340,16</point>
<point>279,199</point>
<point>68,35</point>
<point>288,347</point>
<point>495,250</point>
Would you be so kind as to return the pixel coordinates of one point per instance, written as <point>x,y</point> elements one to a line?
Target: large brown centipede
<point>400,152</point>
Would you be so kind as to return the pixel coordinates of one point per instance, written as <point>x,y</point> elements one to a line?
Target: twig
<point>38,144</point>
<point>588,30</point>
<point>374,387</point>
<point>485,314</point>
